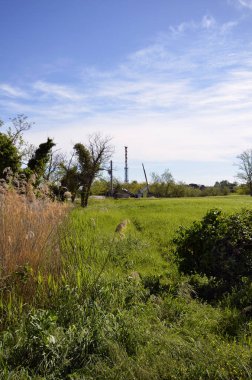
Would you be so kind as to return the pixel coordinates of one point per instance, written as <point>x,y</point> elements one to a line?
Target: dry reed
<point>28,234</point>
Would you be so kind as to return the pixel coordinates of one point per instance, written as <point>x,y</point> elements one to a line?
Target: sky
<point>169,79</point>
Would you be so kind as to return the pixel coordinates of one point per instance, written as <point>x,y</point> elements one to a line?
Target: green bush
<point>9,155</point>
<point>218,247</point>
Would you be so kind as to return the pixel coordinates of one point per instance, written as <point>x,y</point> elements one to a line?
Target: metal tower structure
<point>126,179</point>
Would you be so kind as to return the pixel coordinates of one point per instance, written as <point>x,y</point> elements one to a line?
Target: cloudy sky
<point>170,79</point>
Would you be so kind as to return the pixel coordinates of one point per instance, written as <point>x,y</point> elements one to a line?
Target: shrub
<point>9,156</point>
<point>219,247</point>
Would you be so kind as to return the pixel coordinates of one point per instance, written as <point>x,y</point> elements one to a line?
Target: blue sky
<point>171,79</point>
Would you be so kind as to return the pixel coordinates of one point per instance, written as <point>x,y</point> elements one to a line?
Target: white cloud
<point>228,26</point>
<point>181,28</point>
<point>207,22</point>
<point>11,91</point>
<point>246,3</point>
<point>56,90</point>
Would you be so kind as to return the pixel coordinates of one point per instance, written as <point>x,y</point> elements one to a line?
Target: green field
<point>119,308</point>
<point>153,222</point>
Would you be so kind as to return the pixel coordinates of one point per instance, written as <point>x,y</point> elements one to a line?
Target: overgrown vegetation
<point>9,156</point>
<point>160,188</point>
<point>115,306</point>
<point>218,247</point>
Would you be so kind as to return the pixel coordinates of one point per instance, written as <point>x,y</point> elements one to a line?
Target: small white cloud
<point>246,3</point>
<point>228,26</point>
<point>207,22</point>
<point>183,27</point>
<point>11,91</point>
<point>56,90</point>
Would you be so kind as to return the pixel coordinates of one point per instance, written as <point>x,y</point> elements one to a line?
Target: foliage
<point>9,155</point>
<point>245,168</point>
<point>226,187</point>
<point>165,177</point>
<point>40,158</point>
<point>162,185</point>
<point>218,247</point>
<point>167,190</point>
<point>100,187</point>
<point>91,160</point>
<point>87,171</point>
<point>54,172</point>
<point>20,124</point>
<point>70,180</point>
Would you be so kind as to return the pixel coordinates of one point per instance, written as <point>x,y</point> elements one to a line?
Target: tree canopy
<point>91,161</point>
<point>9,155</point>
<point>245,168</point>
<point>37,164</point>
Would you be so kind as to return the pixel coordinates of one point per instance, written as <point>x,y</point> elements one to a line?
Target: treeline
<point>171,189</point>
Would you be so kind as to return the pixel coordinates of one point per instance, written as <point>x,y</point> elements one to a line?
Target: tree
<point>20,124</point>
<point>162,184</point>
<point>166,177</point>
<point>40,158</point>
<point>71,180</point>
<point>14,149</point>
<point>245,168</point>
<point>91,160</point>
<point>55,166</point>
<point>9,155</point>
<point>225,187</point>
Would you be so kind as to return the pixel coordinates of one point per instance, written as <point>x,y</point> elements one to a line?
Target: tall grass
<point>28,232</point>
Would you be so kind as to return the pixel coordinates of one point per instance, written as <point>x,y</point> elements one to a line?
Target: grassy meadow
<point>81,301</point>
